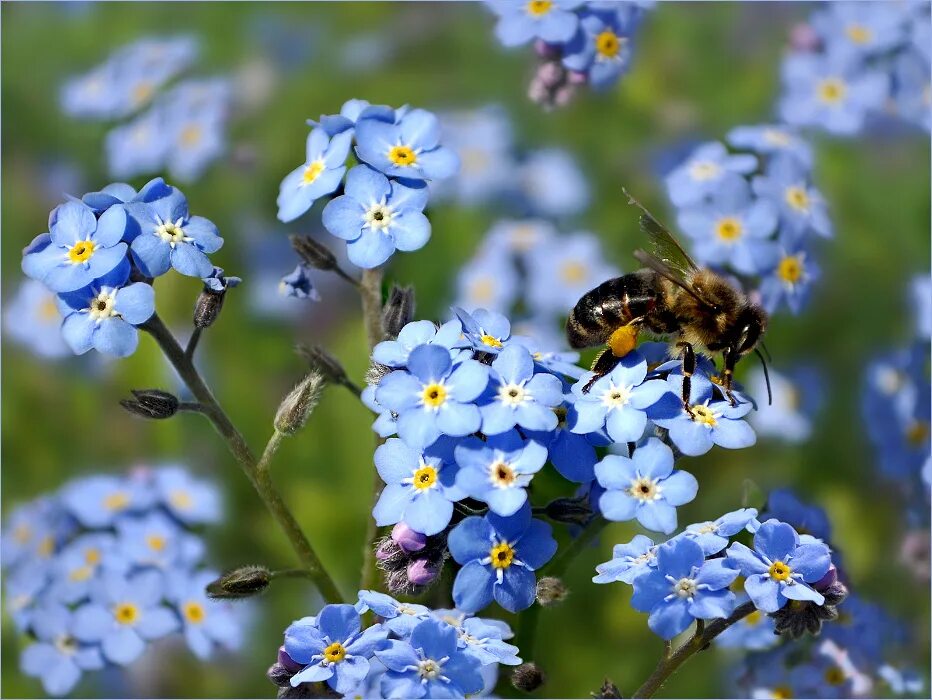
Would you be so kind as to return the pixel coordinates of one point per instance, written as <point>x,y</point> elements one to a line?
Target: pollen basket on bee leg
<point>623,340</point>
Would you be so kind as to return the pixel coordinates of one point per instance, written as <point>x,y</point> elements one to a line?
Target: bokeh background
<point>701,68</point>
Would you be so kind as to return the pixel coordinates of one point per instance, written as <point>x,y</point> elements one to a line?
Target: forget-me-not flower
<point>629,561</point>
<point>790,282</point>
<point>713,536</point>
<point>711,423</point>
<point>802,208</point>
<point>517,395</point>
<point>206,623</point>
<point>57,657</point>
<point>321,173</point>
<point>398,618</point>
<point>704,172</point>
<point>409,148</point>
<point>394,353</point>
<point>552,21</point>
<point>602,48</point>
<point>771,139</point>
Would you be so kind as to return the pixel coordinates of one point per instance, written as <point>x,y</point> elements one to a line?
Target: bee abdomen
<point>607,307</point>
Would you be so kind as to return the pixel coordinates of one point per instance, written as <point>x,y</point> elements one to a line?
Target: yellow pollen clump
<point>859,34</point>
<point>834,675</point>
<point>425,477</point>
<point>434,395</point>
<point>538,8</point>
<point>729,229</point>
<point>780,571</point>
<point>797,198</point>
<point>917,433</point>
<point>92,556</point>
<point>790,269</point>
<point>156,542</point>
<point>502,474</point>
<point>402,156</point>
<point>623,340</point>
<point>573,272</point>
<point>81,251</point>
<point>312,172</point>
<point>194,612</point>
<point>335,653</point>
<point>608,44</point>
<point>126,613</point>
<point>832,90</point>
<point>502,555</point>
<point>704,414</point>
<point>491,341</point>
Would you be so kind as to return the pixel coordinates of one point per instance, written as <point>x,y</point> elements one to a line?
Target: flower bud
<point>422,572</point>
<point>551,590</point>
<point>575,511</point>
<point>408,539</point>
<point>313,253</point>
<point>831,576</point>
<point>398,310</point>
<point>528,677</point>
<point>545,50</point>
<point>151,403</point>
<point>279,675</point>
<point>608,690</point>
<point>207,307</point>
<point>551,74</point>
<point>799,617</point>
<point>564,95</point>
<point>325,363</point>
<point>294,410</point>
<point>803,37</point>
<point>285,660</point>
<point>243,582</point>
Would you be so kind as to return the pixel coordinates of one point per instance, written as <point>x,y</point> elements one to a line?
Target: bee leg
<point>689,367</point>
<point>604,363</point>
<point>731,358</point>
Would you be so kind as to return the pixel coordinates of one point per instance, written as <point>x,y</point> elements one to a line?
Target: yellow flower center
<point>312,172</point>
<point>190,135</point>
<point>797,198</point>
<point>704,170</point>
<point>180,499</point>
<point>482,290</point>
<point>425,477</point>
<point>92,556</point>
<point>790,269</point>
<point>729,229</point>
<point>194,612</point>
<point>46,546</point>
<point>142,92</point>
<point>48,311</point>
<point>402,156</point>
<point>775,137</point>
<point>780,571</point>
<point>491,341</point>
<point>126,613</point>
<point>502,474</point>
<point>434,395</point>
<point>82,573</point>
<point>834,675</point>
<point>573,272</point>
<point>832,90</point>
<point>858,33</point>
<point>335,653</point>
<point>502,555</point>
<point>917,433</point>
<point>170,232</point>
<point>704,414</point>
<point>22,534</point>
<point>608,44</point>
<point>644,489</point>
<point>81,251</point>
<point>156,542</point>
<point>782,693</point>
<point>754,618</point>
<point>474,160</point>
<point>538,8</point>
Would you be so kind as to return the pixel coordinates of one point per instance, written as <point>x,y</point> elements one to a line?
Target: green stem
<point>259,478</point>
<point>702,637</point>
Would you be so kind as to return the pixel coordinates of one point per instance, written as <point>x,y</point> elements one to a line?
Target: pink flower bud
<point>804,38</point>
<point>421,572</point>
<point>287,661</point>
<point>545,50</point>
<point>408,539</point>
<point>576,78</point>
<point>551,74</point>
<point>831,576</point>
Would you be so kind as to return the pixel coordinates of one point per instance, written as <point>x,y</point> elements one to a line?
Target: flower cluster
<point>753,211</point>
<point>102,251</point>
<point>182,129</point>
<point>97,570</point>
<point>855,63</point>
<point>410,652</point>
<point>578,42</point>
<point>381,208</point>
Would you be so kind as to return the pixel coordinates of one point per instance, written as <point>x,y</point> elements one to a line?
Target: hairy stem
<point>259,478</point>
<point>701,638</point>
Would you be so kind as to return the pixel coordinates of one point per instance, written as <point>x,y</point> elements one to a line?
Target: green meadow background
<point>700,69</point>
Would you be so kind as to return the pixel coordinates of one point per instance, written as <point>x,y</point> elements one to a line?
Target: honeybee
<point>670,297</point>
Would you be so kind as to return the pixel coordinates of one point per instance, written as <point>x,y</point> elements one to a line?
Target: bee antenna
<point>763,363</point>
<point>766,351</point>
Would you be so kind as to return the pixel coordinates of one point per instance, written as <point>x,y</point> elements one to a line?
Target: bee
<point>671,297</point>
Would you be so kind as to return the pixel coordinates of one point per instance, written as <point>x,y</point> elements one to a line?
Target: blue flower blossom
<point>629,561</point>
<point>498,470</point>
<point>155,540</point>
<point>498,558</point>
<point>138,146</point>
<point>206,623</point>
<point>191,500</point>
<point>377,216</point>
<point>429,664</point>
<point>397,618</point>
<point>802,208</point>
<point>96,501</point>
<point>333,648</point>
<point>712,423</point>
<point>753,632</point>
<point>684,587</point>
<point>706,170</point>
<point>487,281</point>
<point>32,317</point>
<point>779,568</point>
<point>713,536</point>
<point>321,173</point>
<point>553,21</point>
<point>770,140</point>
<point>790,282</point>
<point>57,658</point>
<point>434,397</point>
<point>79,247</point>
<point>553,184</point>
<point>796,399</point>
<point>860,29</point>
<point>517,395</point>
<point>602,48</point>
<point>484,330</point>
<point>806,519</point>
<point>394,353</point>
<point>76,568</point>
<point>352,112</point>
<point>644,486</point>
<point>409,148</point>
<point>561,270</point>
<point>483,639</point>
<point>298,284</point>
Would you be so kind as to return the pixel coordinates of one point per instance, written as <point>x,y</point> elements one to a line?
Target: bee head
<point>749,327</point>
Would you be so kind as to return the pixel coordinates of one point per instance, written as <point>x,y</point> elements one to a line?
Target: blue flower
<point>78,249</point>
<point>796,399</point>
<point>561,270</point>
<point>352,112</point>
<point>488,281</point>
<point>779,568</point>
<point>32,532</point>
<point>733,229</point>
<point>154,539</point>
<point>602,48</point>
<point>629,561</point>
<point>57,657</point>
<point>138,146</point>
<point>321,173</point>
<point>76,568</point>
<point>790,282</point>
<point>481,638</point>
<point>420,486</point>
<point>398,618</point>
<point>96,501</point>
<point>434,397</point>
<point>860,29</point>
<point>104,315</point>
<point>705,171</point>
<point>753,632</point>
<point>572,455</point>
<point>23,589</point>
<point>429,664</point>
<point>911,77</point>
<point>190,500</point>
<point>205,623</point>
<point>519,396</point>
<point>123,614</point>
<point>376,216</point>
<point>498,470</point>
<point>783,505</point>
<point>409,148</point>
<point>619,401</point>
<point>644,486</point>
<point>802,208</point>
<point>169,237</point>
<point>553,183</point>
<point>498,558</point>
<point>920,296</point>
<point>332,648</point>
<point>712,423</point>
<point>298,284</point>
<point>553,21</point>
<point>32,317</point>
<point>831,91</point>
<point>713,536</point>
<point>771,139</point>
<point>394,353</point>
<point>684,587</point>
<point>387,422</point>
<point>484,330</point>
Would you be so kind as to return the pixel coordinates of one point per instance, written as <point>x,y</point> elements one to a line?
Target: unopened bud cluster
<point>411,561</point>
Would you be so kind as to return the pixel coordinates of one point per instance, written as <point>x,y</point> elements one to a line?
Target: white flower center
<point>513,394</point>
<point>172,232</point>
<point>685,588</point>
<point>616,396</point>
<point>102,305</point>
<point>645,489</point>
<point>428,669</point>
<point>703,170</point>
<point>66,644</point>
<point>379,216</point>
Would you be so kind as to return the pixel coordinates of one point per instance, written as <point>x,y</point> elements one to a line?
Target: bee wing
<point>675,276</point>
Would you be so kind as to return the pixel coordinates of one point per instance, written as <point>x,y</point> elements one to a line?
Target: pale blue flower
<point>321,173</point>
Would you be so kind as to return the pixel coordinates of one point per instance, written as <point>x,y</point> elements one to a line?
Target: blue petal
<point>123,646</point>
<point>338,622</point>
<point>390,507</point>
<point>458,420</point>
<point>410,230</point>
<point>114,336</point>
<point>152,254</point>
<point>775,540</point>
<point>78,331</point>
<point>669,619</point>
<point>764,592</point>
<point>517,590</point>
<point>371,249</point>
<point>188,260</point>
<point>136,303</point>
<point>472,589</point>
<point>343,217</point>
<point>658,516</point>
<point>429,363</point>
<point>470,540</point>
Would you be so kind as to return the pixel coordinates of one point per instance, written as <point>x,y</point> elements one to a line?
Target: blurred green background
<point>700,69</point>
